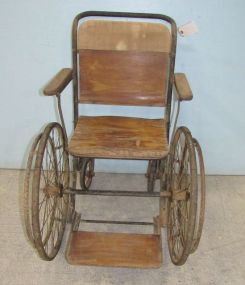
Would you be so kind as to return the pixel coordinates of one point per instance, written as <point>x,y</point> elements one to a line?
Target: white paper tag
<point>188,29</point>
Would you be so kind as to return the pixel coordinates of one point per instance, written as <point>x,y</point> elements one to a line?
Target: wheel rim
<point>27,190</point>
<point>182,182</point>
<point>49,205</point>
<point>201,189</point>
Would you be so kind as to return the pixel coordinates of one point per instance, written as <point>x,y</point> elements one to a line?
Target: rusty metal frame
<point>124,15</point>
<point>88,14</point>
<point>172,54</point>
<point>124,193</point>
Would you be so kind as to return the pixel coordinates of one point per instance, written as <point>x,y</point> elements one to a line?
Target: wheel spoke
<point>48,212</point>
<point>42,202</point>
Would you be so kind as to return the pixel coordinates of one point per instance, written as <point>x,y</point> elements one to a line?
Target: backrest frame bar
<point>124,15</point>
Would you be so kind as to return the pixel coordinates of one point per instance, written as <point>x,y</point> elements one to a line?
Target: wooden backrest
<point>123,63</point>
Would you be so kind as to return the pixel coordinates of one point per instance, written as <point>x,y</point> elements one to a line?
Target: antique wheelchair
<point>118,59</point>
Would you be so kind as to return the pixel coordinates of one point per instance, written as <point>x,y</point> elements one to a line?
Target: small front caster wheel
<point>86,172</point>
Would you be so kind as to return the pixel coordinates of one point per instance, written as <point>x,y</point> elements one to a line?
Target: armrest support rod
<point>55,87</point>
<point>175,121</point>
<point>61,117</point>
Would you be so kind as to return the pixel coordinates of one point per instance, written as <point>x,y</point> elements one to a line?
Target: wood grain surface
<point>123,78</point>
<point>59,82</point>
<point>114,249</point>
<point>119,137</point>
<point>118,35</point>
<point>182,86</point>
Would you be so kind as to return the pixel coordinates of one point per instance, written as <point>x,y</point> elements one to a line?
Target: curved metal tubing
<point>124,15</point>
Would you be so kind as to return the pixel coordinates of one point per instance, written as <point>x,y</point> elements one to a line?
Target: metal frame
<point>124,15</point>
<point>74,190</point>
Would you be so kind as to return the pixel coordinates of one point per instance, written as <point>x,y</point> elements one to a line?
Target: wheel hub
<point>179,195</point>
<point>52,190</point>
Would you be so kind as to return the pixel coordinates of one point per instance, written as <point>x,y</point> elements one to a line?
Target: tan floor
<point>220,258</point>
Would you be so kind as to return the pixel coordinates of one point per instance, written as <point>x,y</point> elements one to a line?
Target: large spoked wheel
<point>27,193</point>
<point>86,172</point>
<point>49,203</point>
<point>182,183</point>
<point>200,197</point>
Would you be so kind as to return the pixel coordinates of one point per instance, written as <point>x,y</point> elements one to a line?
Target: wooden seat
<point>115,249</point>
<point>119,137</point>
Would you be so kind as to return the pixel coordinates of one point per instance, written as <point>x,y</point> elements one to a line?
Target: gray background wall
<point>36,42</point>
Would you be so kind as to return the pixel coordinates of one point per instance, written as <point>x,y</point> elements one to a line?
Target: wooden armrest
<point>182,87</point>
<point>59,82</point>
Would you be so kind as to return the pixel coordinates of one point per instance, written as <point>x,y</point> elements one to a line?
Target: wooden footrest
<point>115,249</point>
